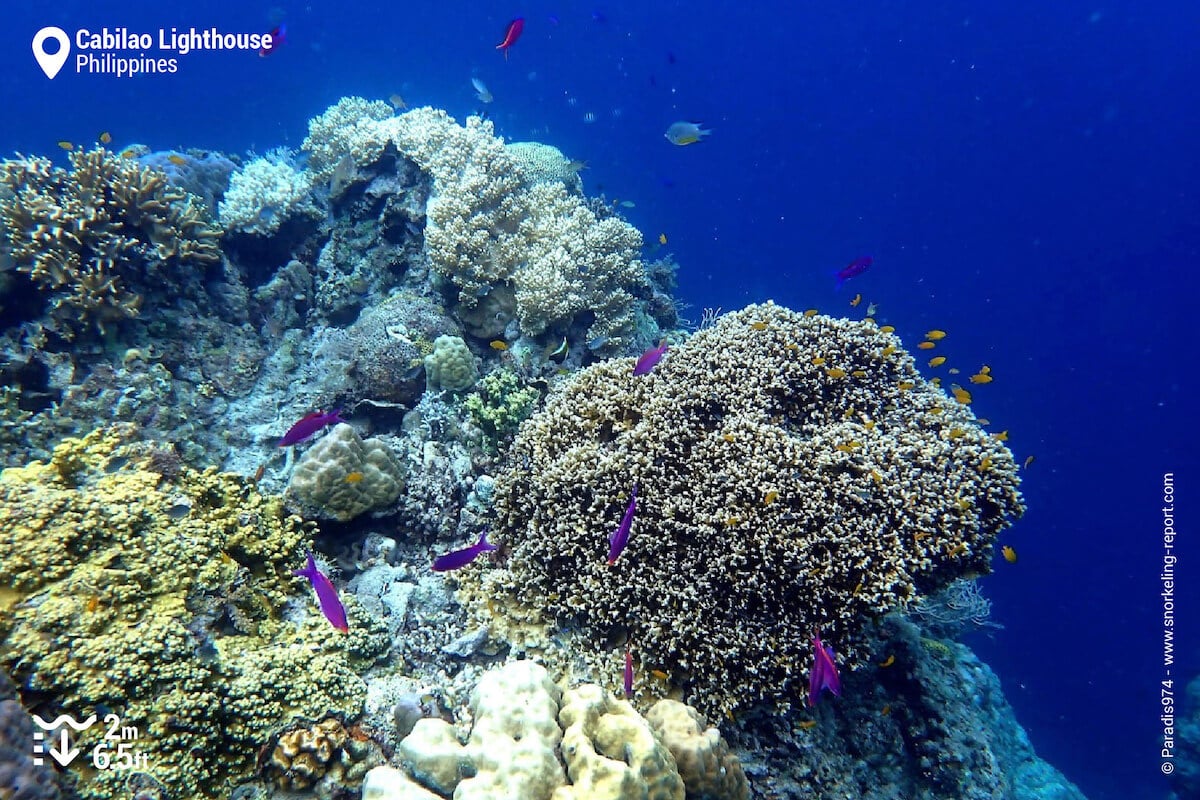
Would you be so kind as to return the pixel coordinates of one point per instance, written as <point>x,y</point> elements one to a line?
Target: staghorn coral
<point>108,588</point>
<point>491,225</point>
<point>99,237</point>
<point>793,473</point>
<point>343,475</point>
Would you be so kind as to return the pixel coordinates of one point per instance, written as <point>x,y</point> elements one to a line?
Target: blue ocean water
<point>1023,174</point>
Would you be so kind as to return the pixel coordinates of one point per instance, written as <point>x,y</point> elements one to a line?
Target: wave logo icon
<point>62,751</point>
<point>51,62</point>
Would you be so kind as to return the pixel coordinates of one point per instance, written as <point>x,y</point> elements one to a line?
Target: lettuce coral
<point>161,596</point>
<point>794,473</point>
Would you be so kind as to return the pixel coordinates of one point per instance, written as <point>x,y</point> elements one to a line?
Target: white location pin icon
<point>51,63</point>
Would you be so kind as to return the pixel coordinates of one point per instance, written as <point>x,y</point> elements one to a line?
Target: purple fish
<point>855,268</point>
<point>620,537</point>
<point>649,358</point>
<point>327,596</point>
<point>460,558</point>
<point>308,425</point>
<point>824,672</point>
<point>628,672</point>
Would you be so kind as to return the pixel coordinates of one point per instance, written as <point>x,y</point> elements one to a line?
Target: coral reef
<point>544,163</point>
<point>490,225</point>
<point>611,752</point>
<point>794,473</point>
<point>708,768</point>
<point>523,723</point>
<point>322,755</point>
<point>450,367</point>
<point>264,194</point>
<point>137,583</point>
<point>933,723</point>
<point>343,475</point>
<point>498,406</point>
<point>97,238</point>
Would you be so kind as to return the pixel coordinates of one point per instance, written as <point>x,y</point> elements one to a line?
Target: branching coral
<point>492,226</point>
<point>264,194</point>
<point>793,473</point>
<point>98,236</point>
<point>111,587</point>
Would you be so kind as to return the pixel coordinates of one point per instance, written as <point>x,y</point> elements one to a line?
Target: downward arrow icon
<point>64,754</point>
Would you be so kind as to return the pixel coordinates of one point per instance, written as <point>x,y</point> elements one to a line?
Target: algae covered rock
<point>343,475</point>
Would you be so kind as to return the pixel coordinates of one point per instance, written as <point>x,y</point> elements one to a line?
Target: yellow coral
<point>132,591</point>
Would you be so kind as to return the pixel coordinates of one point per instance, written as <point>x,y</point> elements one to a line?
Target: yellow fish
<point>956,433</point>
<point>498,344</point>
<point>958,550</point>
<point>1002,436</point>
<point>354,477</point>
<point>65,145</point>
<point>935,335</point>
<point>177,159</point>
<point>662,238</point>
<point>1010,555</point>
<point>759,326</point>
<point>936,382</point>
<point>875,476</point>
<point>105,138</point>
<point>812,312</point>
<point>128,152</point>
<point>904,386</point>
<point>888,661</point>
<point>729,437</point>
<point>1028,461</point>
<point>926,346</point>
<point>887,329</point>
<point>937,361</point>
<point>818,361</point>
<point>658,673</point>
<point>807,724</point>
<point>887,351</point>
<point>960,394</point>
<point>836,373</point>
<point>770,497</point>
<point>858,373</point>
<point>981,377</point>
<point>857,299</point>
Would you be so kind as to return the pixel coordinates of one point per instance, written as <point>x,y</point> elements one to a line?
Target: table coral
<point>794,473</point>
<point>159,595</point>
<point>96,239</point>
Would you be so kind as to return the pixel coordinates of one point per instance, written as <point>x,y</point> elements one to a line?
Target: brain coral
<point>96,238</point>
<point>793,473</point>
<point>491,225</point>
<point>343,475</point>
<point>159,596</point>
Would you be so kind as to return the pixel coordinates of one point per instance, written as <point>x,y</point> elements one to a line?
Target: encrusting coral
<point>490,225</point>
<point>793,474</point>
<point>158,595</point>
<point>98,237</point>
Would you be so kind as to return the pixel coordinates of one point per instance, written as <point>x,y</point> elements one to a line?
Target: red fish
<point>308,425</point>
<point>855,268</point>
<point>278,36</point>
<point>511,34</point>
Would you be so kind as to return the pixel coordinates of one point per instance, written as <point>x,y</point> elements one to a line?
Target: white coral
<point>262,195</point>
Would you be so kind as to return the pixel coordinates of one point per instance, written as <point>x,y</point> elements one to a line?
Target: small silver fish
<point>481,91</point>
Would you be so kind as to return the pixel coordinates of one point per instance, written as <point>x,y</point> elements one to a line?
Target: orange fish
<point>857,299</point>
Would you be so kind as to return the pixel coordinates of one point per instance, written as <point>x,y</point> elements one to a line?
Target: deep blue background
<point>1024,175</point>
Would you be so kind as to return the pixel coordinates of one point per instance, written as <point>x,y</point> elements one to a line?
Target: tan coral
<point>710,771</point>
<point>611,752</point>
<point>343,475</point>
<point>878,497</point>
<point>97,237</point>
<point>302,756</point>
